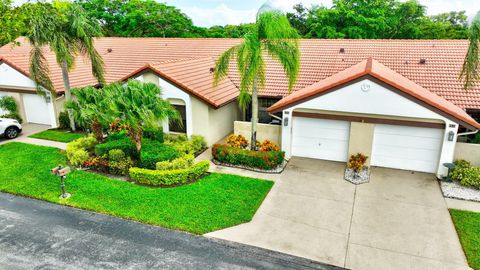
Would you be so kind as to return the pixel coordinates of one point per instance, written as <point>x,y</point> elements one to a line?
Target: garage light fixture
<point>285,121</point>
<point>451,136</point>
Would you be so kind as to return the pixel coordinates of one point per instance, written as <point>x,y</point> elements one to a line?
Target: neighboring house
<point>398,101</point>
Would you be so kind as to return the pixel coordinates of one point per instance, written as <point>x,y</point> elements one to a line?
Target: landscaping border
<point>277,170</point>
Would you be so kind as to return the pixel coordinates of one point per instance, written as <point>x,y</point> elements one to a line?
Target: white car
<point>9,128</point>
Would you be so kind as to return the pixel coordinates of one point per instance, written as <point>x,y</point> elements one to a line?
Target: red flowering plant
<point>268,145</point>
<point>266,160</point>
<point>97,163</point>
<point>357,162</point>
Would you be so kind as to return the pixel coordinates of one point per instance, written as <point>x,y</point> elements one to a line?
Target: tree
<point>471,68</point>
<point>90,110</point>
<point>139,18</point>
<point>138,106</point>
<point>272,35</point>
<point>66,30</point>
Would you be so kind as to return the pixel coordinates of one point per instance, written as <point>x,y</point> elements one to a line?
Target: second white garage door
<point>320,138</point>
<point>36,109</point>
<point>407,148</point>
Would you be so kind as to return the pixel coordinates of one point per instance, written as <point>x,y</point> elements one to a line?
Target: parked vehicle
<point>10,128</point>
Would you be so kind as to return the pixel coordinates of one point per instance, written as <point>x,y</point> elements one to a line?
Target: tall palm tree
<point>471,67</point>
<point>66,30</point>
<point>272,35</point>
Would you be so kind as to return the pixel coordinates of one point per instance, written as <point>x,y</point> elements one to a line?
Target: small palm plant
<point>90,110</point>
<point>471,67</point>
<point>272,35</point>
<point>65,28</point>
<point>138,106</point>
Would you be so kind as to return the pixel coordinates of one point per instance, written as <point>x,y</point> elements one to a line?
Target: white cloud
<point>219,15</point>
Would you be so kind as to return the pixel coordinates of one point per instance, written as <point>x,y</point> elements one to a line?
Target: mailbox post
<point>62,172</point>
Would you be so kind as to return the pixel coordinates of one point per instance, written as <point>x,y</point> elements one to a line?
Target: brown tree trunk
<point>254,120</point>
<point>68,93</point>
<point>136,137</point>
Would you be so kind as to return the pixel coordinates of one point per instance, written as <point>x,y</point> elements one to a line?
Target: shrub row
<point>153,152</point>
<point>466,174</point>
<point>266,160</point>
<point>182,162</point>
<point>171,177</point>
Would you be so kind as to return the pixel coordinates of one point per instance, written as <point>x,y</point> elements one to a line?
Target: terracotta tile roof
<point>371,67</point>
<point>319,60</point>
<point>195,76</point>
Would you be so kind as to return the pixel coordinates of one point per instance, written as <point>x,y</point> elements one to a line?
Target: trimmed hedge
<point>153,152</point>
<point>169,178</point>
<point>155,134</point>
<point>182,162</point>
<point>124,144</point>
<point>254,159</point>
<point>469,177</point>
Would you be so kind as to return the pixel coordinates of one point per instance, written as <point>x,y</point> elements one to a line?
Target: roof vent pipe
<point>342,50</point>
<point>423,61</point>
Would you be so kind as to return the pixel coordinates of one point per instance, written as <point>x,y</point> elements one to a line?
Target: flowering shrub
<point>115,127</point>
<point>254,159</point>
<point>97,163</point>
<point>237,141</point>
<point>357,162</point>
<point>268,145</point>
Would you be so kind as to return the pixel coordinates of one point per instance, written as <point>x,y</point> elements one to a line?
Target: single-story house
<point>398,101</point>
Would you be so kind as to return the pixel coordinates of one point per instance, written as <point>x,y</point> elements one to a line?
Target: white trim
<point>377,102</point>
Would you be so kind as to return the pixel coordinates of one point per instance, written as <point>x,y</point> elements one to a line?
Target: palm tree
<point>471,68</point>
<point>138,106</point>
<point>66,30</point>
<point>272,35</point>
<point>90,110</point>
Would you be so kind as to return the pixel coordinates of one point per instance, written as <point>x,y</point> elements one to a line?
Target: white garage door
<point>36,109</point>
<point>320,138</point>
<point>407,148</point>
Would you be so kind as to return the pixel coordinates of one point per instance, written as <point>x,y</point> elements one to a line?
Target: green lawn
<point>217,201</point>
<point>57,135</point>
<point>468,228</point>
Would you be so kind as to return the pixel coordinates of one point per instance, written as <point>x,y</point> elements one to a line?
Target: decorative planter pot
<point>357,178</point>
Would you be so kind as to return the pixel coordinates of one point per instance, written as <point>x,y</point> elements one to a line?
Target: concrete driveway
<point>29,129</point>
<point>397,221</point>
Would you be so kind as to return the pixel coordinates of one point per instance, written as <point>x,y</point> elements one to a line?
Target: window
<point>263,116</point>
<point>179,126</point>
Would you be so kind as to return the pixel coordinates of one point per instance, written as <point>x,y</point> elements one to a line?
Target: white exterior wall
<point>11,78</point>
<point>169,91</point>
<point>376,102</point>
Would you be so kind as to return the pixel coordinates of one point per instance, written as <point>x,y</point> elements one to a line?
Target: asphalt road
<point>39,235</point>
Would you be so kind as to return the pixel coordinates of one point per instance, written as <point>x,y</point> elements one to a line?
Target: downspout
<point>467,133</point>
<point>276,117</point>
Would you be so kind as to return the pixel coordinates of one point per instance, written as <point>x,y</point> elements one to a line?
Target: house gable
<point>12,78</point>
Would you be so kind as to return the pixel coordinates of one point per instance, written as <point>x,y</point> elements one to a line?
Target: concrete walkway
<point>463,205</point>
<point>29,129</point>
<point>399,220</point>
<point>40,235</point>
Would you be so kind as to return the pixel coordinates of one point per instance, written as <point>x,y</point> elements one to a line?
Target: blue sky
<point>220,12</point>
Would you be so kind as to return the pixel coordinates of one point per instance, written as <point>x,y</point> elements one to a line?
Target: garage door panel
<point>320,138</point>
<point>36,109</point>
<point>408,141</point>
<point>408,148</point>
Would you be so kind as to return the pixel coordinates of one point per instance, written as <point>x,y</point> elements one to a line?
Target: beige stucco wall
<point>264,131</point>
<point>220,122</point>
<point>469,152</point>
<point>150,77</point>
<point>59,103</point>
<point>361,139</point>
<point>200,118</point>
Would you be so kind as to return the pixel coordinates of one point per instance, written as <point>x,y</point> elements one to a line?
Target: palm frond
<point>471,66</point>
<point>286,51</point>
<point>39,70</point>
<point>222,64</point>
